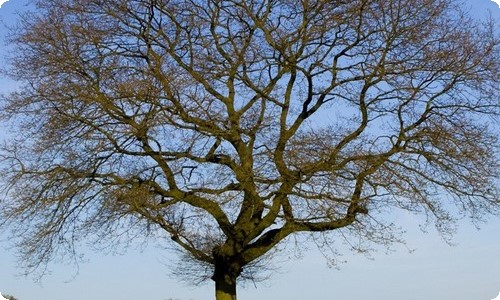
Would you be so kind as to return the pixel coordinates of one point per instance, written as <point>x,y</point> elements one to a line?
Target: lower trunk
<point>225,275</point>
<point>225,288</point>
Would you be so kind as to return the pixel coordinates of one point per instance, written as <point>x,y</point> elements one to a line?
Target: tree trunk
<point>225,288</point>
<point>225,276</point>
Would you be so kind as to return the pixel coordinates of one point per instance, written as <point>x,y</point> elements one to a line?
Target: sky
<point>433,270</point>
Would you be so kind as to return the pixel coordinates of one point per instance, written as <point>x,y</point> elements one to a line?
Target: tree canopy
<point>228,126</point>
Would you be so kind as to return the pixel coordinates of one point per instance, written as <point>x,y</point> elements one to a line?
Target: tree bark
<point>225,288</point>
<point>225,277</point>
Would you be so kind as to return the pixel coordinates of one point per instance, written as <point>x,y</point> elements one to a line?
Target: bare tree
<point>229,126</point>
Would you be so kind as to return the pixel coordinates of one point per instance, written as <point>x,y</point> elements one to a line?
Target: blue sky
<point>470,270</point>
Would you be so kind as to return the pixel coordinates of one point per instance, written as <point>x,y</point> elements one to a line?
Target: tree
<point>230,126</point>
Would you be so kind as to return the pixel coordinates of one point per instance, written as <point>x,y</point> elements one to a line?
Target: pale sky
<point>497,2</point>
<point>470,270</point>
<point>2,2</point>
